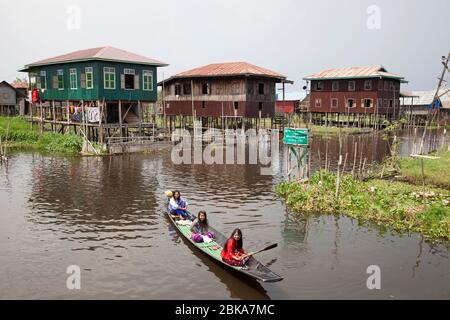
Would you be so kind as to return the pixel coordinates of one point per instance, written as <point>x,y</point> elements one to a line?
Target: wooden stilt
<point>120,117</point>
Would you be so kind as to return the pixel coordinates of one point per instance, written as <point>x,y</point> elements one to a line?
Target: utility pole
<point>436,96</point>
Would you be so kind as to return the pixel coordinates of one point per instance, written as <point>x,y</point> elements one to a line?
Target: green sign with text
<point>296,136</point>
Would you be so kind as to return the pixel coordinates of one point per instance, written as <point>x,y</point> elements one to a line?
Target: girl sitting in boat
<point>200,228</point>
<point>178,206</point>
<point>233,252</point>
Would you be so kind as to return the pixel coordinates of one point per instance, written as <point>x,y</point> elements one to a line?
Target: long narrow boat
<point>253,269</point>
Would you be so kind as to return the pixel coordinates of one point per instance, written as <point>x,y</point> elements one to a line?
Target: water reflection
<point>238,285</point>
<point>107,215</point>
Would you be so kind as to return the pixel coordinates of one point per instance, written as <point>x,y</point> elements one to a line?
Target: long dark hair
<point>179,195</point>
<point>238,244</point>
<point>204,223</point>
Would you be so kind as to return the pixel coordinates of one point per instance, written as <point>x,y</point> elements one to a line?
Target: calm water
<point>106,215</point>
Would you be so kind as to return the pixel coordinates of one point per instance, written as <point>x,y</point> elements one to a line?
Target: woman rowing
<point>233,252</point>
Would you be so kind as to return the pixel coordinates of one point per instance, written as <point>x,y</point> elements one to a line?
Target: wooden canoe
<point>254,269</point>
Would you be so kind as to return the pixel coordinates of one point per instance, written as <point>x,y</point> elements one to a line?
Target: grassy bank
<point>17,132</point>
<point>325,130</point>
<point>398,205</point>
<point>436,171</point>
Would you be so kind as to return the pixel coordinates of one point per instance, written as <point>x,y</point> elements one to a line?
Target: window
<point>73,78</point>
<point>351,103</point>
<point>351,86</point>
<point>335,86</point>
<point>366,103</point>
<point>177,89</point>
<point>203,104</point>
<point>334,103</point>
<point>129,79</point>
<point>260,106</point>
<point>60,75</point>
<point>205,88</point>
<point>318,103</point>
<point>386,85</point>
<point>319,86</point>
<point>89,77</point>
<point>250,88</point>
<point>391,84</point>
<point>236,105</point>
<point>43,78</point>
<point>34,81</point>
<point>397,87</point>
<point>391,103</point>
<point>236,87</point>
<point>109,77</point>
<point>260,88</point>
<point>187,88</point>
<point>368,85</point>
<point>380,85</point>
<point>147,80</point>
<point>219,89</point>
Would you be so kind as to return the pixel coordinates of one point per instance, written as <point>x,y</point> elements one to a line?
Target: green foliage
<point>55,142</point>
<point>17,132</point>
<point>398,205</point>
<point>437,171</point>
<point>329,130</point>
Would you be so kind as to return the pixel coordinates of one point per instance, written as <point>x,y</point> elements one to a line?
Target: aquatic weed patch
<point>386,203</point>
<point>17,132</point>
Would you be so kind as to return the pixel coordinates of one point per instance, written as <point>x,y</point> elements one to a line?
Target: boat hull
<point>254,269</point>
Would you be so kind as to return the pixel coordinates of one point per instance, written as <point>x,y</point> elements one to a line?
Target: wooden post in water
<point>345,162</point>
<point>54,116</point>
<point>100,122</point>
<point>42,115</point>
<point>423,180</point>
<point>354,159</point>
<point>120,117</point>
<point>140,117</point>
<point>338,176</point>
<point>68,116</point>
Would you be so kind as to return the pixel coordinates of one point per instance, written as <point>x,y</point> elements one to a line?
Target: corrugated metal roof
<point>424,98</point>
<point>18,92</point>
<point>101,53</point>
<point>353,72</point>
<point>228,69</point>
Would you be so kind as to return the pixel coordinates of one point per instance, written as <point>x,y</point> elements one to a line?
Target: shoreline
<point>398,205</point>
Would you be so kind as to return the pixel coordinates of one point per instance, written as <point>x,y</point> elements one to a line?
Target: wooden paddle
<point>265,249</point>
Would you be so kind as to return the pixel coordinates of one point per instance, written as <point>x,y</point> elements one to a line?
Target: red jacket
<point>230,249</point>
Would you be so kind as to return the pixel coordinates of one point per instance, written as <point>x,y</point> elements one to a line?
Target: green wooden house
<point>116,81</point>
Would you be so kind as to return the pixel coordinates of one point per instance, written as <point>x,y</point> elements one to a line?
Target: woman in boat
<point>200,228</point>
<point>233,252</point>
<point>178,206</point>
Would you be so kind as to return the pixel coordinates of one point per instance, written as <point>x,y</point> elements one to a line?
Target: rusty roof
<point>107,53</point>
<point>229,69</point>
<point>20,84</point>
<point>354,72</point>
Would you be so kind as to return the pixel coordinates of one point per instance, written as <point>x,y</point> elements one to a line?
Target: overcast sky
<point>295,38</point>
